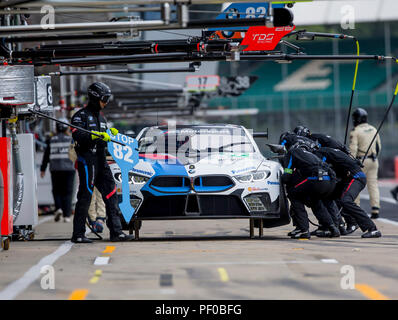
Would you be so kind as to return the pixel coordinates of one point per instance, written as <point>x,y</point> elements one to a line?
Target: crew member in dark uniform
<point>308,180</point>
<point>62,171</point>
<point>352,181</point>
<point>324,140</point>
<point>92,166</point>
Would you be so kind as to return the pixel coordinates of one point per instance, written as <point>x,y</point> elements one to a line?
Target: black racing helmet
<point>282,138</point>
<point>60,126</point>
<point>302,131</point>
<point>305,144</point>
<point>359,116</point>
<point>99,91</point>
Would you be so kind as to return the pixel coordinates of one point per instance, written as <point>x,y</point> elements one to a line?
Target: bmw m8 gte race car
<point>204,172</point>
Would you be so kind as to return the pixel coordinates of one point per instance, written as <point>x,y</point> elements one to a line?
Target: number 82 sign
<point>126,158</point>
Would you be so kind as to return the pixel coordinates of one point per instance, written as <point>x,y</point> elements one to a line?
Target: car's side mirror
<point>277,148</point>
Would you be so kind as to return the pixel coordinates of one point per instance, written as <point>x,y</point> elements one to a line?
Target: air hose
<point>18,197</point>
<point>92,230</point>
<point>314,224</point>
<point>352,92</point>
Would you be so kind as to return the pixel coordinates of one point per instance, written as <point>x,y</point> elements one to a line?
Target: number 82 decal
<point>118,152</point>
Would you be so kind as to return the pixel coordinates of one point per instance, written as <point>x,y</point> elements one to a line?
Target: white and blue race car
<point>204,171</point>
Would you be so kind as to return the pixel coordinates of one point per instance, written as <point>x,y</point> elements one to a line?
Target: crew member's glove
<point>105,136</point>
<point>93,137</point>
<point>114,131</point>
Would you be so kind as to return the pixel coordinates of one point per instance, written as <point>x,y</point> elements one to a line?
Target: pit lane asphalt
<point>204,259</point>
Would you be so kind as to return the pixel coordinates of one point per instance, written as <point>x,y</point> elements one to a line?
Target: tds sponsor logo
<point>268,37</point>
<point>264,38</point>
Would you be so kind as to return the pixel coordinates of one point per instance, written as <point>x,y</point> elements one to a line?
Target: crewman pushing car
<point>308,180</point>
<point>352,181</point>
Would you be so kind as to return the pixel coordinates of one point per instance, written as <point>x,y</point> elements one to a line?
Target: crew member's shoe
<point>57,215</point>
<point>302,235</point>
<point>374,216</point>
<point>351,228</point>
<point>343,230</point>
<point>372,234</point>
<point>323,234</point>
<point>295,231</point>
<point>67,219</point>
<point>122,237</point>
<point>81,240</point>
<point>320,231</point>
<point>394,193</point>
<point>334,231</point>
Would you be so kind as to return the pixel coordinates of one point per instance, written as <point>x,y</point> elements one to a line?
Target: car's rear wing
<point>261,134</point>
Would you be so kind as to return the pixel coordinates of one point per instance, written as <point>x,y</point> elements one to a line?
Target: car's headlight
<point>244,178</point>
<point>261,175</point>
<point>118,177</point>
<point>138,179</point>
<point>133,178</point>
<point>255,176</point>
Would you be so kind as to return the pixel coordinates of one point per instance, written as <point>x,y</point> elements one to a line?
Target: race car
<point>204,171</point>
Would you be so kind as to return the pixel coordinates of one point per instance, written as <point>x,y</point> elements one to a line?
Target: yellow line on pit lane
<point>79,294</point>
<point>370,293</point>
<point>223,274</point>
<point>96,277</point>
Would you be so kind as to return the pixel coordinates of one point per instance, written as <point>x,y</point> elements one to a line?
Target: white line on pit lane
<point>43,220</point>
<point>18,286</point>
<point>392,222</point>
<point>329,261</point>
<point>388,221</point>
<point>366,197</point>
<point>258,262</point>
<point>152,291</point>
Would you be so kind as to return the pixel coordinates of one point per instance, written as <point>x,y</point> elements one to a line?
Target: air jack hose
<point>18,197</point>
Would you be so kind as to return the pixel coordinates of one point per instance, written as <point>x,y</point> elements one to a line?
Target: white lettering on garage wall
<point>302,79</point>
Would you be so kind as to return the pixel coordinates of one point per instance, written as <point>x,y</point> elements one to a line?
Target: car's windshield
<point>191,141</point>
